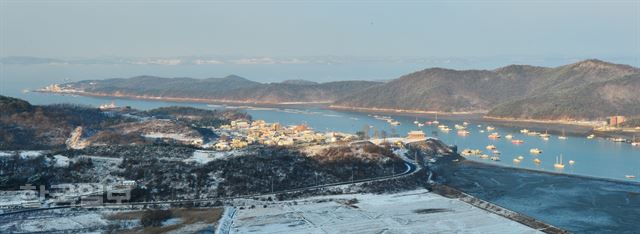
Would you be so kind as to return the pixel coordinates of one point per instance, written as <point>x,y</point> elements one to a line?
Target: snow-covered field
<point>409,212</point>
<point>75,222</point>
<point>205,156</point>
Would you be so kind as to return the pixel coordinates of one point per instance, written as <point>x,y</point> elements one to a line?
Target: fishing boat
<point>517,141</point>
<point>619,140</point>
<point>509,136</point>
<point>491,147</point>
<point>591,136</point>
<point>545,134</point>
<point>535,151</point>
<point>563,137</point>
<point>436,120</point>
<point>537,161</point>
<point>558,163</point>
<point>494,135</point>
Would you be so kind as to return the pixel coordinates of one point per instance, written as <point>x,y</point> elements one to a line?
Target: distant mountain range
<point>589,89</point>
<point>231,88</point>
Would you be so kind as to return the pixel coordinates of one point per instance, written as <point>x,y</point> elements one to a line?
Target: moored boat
<point>559,164</point>
<point>535,151</point>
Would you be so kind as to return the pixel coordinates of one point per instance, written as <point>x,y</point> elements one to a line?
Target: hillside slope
<point>522,88</point>
<point>230,88</point>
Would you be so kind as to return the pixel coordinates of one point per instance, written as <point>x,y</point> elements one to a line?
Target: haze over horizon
<point>607,30</point>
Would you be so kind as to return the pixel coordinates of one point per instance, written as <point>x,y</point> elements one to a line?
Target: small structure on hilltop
<point>416,135</point>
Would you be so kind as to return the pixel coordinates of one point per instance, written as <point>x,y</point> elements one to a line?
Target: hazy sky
<point>283,28</point>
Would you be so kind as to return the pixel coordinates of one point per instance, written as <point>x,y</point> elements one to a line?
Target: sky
<point>317,28</point>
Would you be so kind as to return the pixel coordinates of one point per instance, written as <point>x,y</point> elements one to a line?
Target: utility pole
<point>351,172</point>
<point>271,178</point>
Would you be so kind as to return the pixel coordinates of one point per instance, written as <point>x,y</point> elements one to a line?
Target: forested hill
<point>584,90</point>
<point>230,88</point>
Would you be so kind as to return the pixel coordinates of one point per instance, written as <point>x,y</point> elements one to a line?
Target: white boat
<point>619,140</point>
<point>545,134</point>
<point>495,152</point>
<point>563,137</point>
<point>558,163</point>
<point>591,136</point>
<point>571,162</point>
<point>436,120</point>
<point>495,158</point>
<point>491,147</point>
<point>535,151</point>
<point>545,138</point>
<point>630,176</point>
<point>463,132</point>
<point>517,141</point>
<point>465,123</point>
<point>420,125</point>
<point>537,161</point>
<point>509,136</point>
<point>524,131</point>
<point>520,157</point>
<point>494,135</point>
<point>490,128</point>
<point>484,156</point>
<point>394,123</point>
<point>516,161</point>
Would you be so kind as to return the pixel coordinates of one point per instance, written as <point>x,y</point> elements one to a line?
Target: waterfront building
<point>615,120</point>
<point>416,135</point>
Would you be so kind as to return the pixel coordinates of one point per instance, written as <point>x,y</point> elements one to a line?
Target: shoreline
<point>183,99</point>
<point>571,127</point>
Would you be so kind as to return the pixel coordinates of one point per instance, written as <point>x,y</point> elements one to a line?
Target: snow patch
<point>30,154</point>
<point>61,161</point>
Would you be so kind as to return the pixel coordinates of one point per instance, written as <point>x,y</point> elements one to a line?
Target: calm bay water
<point>595,157</point>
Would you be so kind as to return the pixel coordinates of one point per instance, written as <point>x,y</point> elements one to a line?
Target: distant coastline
<point>182,99</point>
<point>553,126</point>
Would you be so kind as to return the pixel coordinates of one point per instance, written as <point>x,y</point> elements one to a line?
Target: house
<point>416,135</point>
<point>615,120</point>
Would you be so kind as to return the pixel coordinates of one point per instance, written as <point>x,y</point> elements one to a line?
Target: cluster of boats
<point>388,119</point>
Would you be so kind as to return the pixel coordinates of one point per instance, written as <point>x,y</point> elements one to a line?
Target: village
<point>242,133</point>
